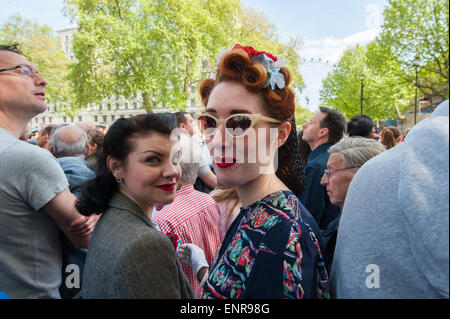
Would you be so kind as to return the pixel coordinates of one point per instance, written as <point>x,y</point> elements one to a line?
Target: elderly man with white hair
<point>69,144</point>
<point>346,157</point>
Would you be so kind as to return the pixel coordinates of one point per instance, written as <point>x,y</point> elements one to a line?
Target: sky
<point>326,28</point>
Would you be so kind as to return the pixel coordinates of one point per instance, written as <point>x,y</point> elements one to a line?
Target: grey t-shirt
<point>30,249</point>
<point>205,162</point>
<point>393,239</point>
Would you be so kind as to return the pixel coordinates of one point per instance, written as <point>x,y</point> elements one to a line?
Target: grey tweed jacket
<point>129,258</point>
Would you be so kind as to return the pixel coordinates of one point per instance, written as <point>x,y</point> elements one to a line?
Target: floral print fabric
<point>270,251</point>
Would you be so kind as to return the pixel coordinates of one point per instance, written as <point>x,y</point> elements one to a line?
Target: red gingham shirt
<point>195,217</point>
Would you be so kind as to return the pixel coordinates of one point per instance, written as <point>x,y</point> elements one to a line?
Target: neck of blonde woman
<point>259,188</point>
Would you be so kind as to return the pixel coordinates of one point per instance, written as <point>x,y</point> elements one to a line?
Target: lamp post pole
<point>361,77</point>
<point>415,102</point>
<point>416,65</point>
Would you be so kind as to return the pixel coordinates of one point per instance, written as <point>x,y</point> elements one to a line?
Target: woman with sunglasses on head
<point>272,249</point>
<point>128,257</point>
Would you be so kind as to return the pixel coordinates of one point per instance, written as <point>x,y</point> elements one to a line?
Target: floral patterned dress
<point>271,250</point>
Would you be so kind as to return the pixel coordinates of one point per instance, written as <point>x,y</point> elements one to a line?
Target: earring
<point>119,180</point>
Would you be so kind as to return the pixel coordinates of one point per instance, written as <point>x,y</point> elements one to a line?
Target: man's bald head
<point>69,140</point>
<point>86,126</point>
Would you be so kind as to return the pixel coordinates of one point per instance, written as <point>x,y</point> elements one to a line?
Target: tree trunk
<point>147,102</point>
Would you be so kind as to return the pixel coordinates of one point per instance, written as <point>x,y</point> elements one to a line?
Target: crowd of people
<point>231,203</point>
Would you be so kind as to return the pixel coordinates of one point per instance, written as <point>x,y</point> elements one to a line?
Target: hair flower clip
<point>275,78</point>
<point>270,62</point>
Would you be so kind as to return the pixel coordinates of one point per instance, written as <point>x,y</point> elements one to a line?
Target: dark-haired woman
<point>272,249</point>
<point>128,257</point>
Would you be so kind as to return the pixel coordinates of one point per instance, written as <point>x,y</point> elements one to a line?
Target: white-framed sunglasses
<point>236,125</point>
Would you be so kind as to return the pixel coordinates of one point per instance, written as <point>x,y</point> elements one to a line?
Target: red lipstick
<point>225,162</point>
<point>167,187</point>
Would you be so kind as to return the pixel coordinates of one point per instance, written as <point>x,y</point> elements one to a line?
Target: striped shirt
<point>195,217</point>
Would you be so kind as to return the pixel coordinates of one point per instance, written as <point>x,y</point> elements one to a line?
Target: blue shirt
<point>77,172</point>
<point>315,197</point>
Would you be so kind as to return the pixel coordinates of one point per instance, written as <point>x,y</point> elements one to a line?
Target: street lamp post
<point>361,77</point>
<point>416,62</point>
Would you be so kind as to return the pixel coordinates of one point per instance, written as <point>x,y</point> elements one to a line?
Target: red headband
<point>252,52</point>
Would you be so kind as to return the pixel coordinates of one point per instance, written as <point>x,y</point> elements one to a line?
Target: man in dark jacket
<point>326,128</point>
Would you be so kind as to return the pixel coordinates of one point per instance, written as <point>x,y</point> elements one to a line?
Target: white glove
<point>192,256</point>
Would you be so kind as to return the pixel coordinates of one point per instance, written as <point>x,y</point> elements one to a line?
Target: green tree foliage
<point>385,92</point>
<point>420,27</point>
<point>411,27</point>
<point>155,49</point>
<point>302,116</point>
<point>161,49</point>
<point>42,48</point>
<point>389,87</point>
<point>341,89</point>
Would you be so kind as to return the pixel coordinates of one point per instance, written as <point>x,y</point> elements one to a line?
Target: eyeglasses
<point>330,173</point>
<point>237,125</point>
<point>25,69</point>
